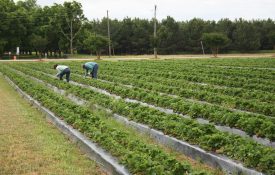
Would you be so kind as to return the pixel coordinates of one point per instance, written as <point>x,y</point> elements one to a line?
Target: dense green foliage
<point>139,157</point>
<point>61,28</point>
<point>272,39</point>
<point>95,42</point>
<point>232,103</point>
<point>215,41</point>
<point>260,125</point>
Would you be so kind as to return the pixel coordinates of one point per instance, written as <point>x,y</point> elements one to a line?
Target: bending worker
<point>61,71</point>
<point>91,67</point>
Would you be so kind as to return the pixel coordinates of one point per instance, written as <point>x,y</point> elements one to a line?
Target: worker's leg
<point>62,74</point>
<point>94,75</point>
<point>68,72</point>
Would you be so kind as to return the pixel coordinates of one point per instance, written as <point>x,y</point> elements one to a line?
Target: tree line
<point>63,28</point>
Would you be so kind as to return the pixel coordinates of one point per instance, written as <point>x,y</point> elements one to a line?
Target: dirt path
<point>150,57</point>
<point>30,145</point>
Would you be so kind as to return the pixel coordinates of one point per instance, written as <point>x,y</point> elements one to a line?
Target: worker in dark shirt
<point>91,67</point>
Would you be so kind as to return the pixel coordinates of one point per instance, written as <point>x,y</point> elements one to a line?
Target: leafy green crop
<point>139,157</point>
<point>245,150</point>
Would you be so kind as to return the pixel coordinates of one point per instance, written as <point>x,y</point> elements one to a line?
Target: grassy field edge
<point>30,145</point>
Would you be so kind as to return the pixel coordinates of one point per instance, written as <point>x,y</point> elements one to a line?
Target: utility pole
<point>155,33</point>
<point>202,49</point>
<point>109,34</point>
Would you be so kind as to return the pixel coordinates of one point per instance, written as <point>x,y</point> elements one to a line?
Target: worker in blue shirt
<point>91,67</point>
<point>62,70</point>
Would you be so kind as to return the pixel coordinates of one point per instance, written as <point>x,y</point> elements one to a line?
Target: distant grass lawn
<point>263,53</point>
<point>30,145</point>
<point>260,53</point>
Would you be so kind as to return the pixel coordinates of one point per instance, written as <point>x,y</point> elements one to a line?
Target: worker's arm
<point>85,72</point>
<point>58,72</point>
<point>60,69</point>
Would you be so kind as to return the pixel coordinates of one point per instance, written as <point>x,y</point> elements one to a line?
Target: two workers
<point>62,70</point>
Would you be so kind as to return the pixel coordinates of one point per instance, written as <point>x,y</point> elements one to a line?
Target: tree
<point>264,28</point>
<point>7,31</point>
<point>63,26</point>
<point>125,35</point>
<point>2,44</point>
<point>169,36</point>
<point>95,42</point>
<point>226,27</point>
<point>272,39</point>
<point>25,10</point>
<point>245,36</point>
<point>69,19</point>
<point>215,41</point>
<point>39,44</point>
<point>28,4</point>
<point>142,30</point>
<point>192,32</point>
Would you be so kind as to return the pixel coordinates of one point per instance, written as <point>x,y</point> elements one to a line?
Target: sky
<point>180,10</point>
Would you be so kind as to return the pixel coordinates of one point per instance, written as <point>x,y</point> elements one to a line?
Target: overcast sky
<point>178,9</point>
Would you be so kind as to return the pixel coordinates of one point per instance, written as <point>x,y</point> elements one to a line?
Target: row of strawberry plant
<point>183,66</point>
<point>251,124</point>
<point>179,85</point>
<point>229,63</point>
<point>251,63</point>
<point>252,93</point>
<point>187,92</point>
<point>226,101</point>
<point>180,66</point>
<point>266,75</point>
<point>139,157</point>
<point>204,135</point>
<point>193,77</point>
<point>251,74</point>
